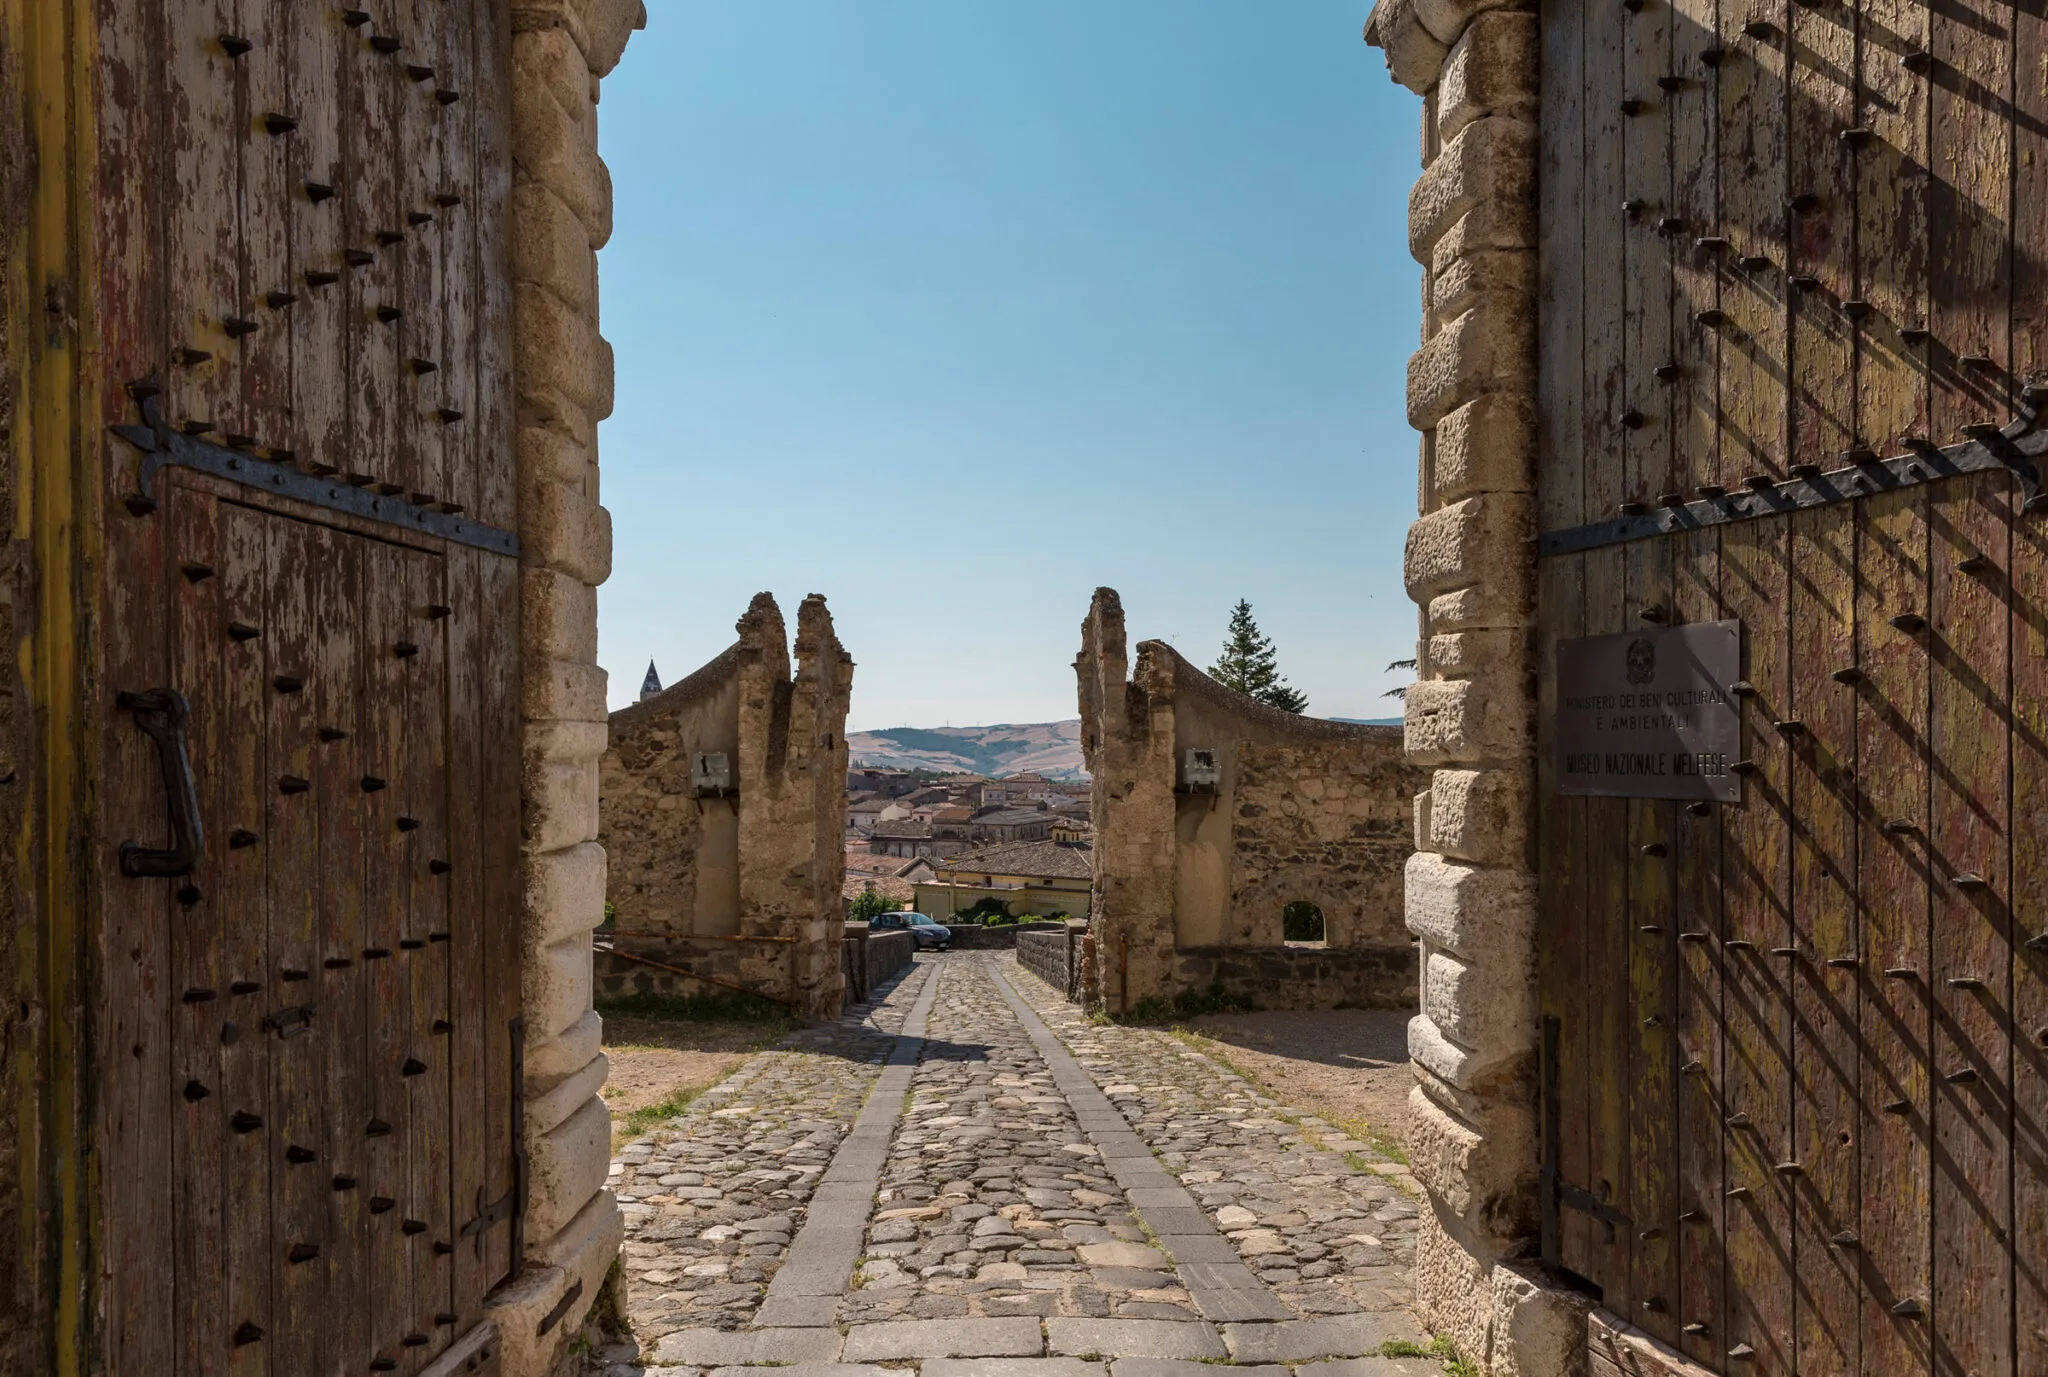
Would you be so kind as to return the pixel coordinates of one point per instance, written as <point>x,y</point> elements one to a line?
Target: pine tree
<point>1247,665</point>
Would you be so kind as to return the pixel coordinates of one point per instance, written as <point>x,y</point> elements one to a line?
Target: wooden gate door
<point>307,1054</point>
<point>1794,283</point>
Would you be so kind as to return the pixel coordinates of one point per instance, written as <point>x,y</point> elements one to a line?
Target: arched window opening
<point>1301,924</point>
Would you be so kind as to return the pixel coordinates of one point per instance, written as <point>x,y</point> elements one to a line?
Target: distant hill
<point>1370,721</point>
<point>1053,749</point>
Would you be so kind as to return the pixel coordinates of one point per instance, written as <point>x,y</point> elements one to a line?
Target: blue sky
<point>952,311</point>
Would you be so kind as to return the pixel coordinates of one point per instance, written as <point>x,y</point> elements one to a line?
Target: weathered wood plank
<point>1751,170</point>
<point>471,1138</point>
<point>1970,281</point>
<point>317,427</point>
<point>202,243</point>
<point>1892,902</point>
<point>1696,597</point>
<point>1605,478</point>
<point>1969,971</point>
<point>291,848</point>
<point>424,776</point>
<point>1643,940</point>
<point>1891,226</point>
<point>457,212</point>
<point>370,272</point>
<point>1651,946</point>
<point>2029,890</point>
<point>1826,302</point>
<point>1755,877</point>
<point>337,775</point>
<point>1697,920</point>
<point>1560,447</point>
<point>1824,996</point>
<point>489,438</point>
<point>386,893</point>
<point>498,676</point>
<point>199,988</point>
<point>266,85</point>
<point>256,977</point>
<point>1970,269</point>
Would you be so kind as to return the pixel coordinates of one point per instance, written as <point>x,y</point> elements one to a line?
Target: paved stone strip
<point>1323,1220</point>
<point>806,1291</point>
<point>995,1203</point>
<point>1222,1287</point>
<point>711,1198</point>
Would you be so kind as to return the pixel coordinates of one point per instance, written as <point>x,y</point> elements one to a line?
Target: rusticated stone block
<point>1488,1005</point>
<point>564,893</point>
<point>558,349</point>
<point>1481,816</point>
<point>563,690</point>
<point>566,1166</point>
<point>557,145</point>
<point>1484,541</point>
<point>1467,722</point>
<point>1453,1286</point>
<point>1539,1323</point>
<point>1491,345</point>
<point>1480,275</point>
<point>1486,445</point>
<point>1415,57</point>
<point>558,615</point>
<point>1483,1173</point>
<point>551,1060</point>
<point>563,530</point>
<point>1475,911</point>
<point>1491,70</point>
<point>553,455</point>
<point>551,248</point>
<point>1492,162</point>
<point>1448,19</point>
<point>1490,650</point>
<point>561,801</point>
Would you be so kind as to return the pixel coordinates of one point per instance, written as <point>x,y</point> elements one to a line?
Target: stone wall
<point>872,959</point>
<point>1299,809</point>
<point>558,197</point>
<point>999,937</point>
<point>743,876</point>
<point>1471,891</point>
<point>1051,956</point>
<point>1375,977</point>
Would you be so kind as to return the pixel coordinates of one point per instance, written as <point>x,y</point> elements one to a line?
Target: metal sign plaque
<point>1649,714</point>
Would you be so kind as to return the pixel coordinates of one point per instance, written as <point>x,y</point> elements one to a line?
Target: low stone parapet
<point>996,937</point>
<point>1379,977</point>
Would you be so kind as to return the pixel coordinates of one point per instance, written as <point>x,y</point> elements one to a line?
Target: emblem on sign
<point>1649,716</point>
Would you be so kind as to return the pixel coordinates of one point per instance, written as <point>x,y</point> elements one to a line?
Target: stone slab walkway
<point>969,1177</point>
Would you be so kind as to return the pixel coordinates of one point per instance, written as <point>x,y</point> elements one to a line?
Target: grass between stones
<point>666,1050</point>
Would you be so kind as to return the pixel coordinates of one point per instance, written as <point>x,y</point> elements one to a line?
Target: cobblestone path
<point>970,1178</point>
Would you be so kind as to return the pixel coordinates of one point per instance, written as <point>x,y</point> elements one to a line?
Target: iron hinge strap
<point>512,1204</point>
<point>162,448</point>
<point>1556,1193</point>
<point>2012,450</point>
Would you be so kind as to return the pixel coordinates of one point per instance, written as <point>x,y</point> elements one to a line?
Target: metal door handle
<point>162,713</point>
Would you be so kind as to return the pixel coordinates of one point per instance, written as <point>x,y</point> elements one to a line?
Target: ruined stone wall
<point>1471,890</point>
<point>1303,809</point>
<point>672,859</point>
<point>742,885</point>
